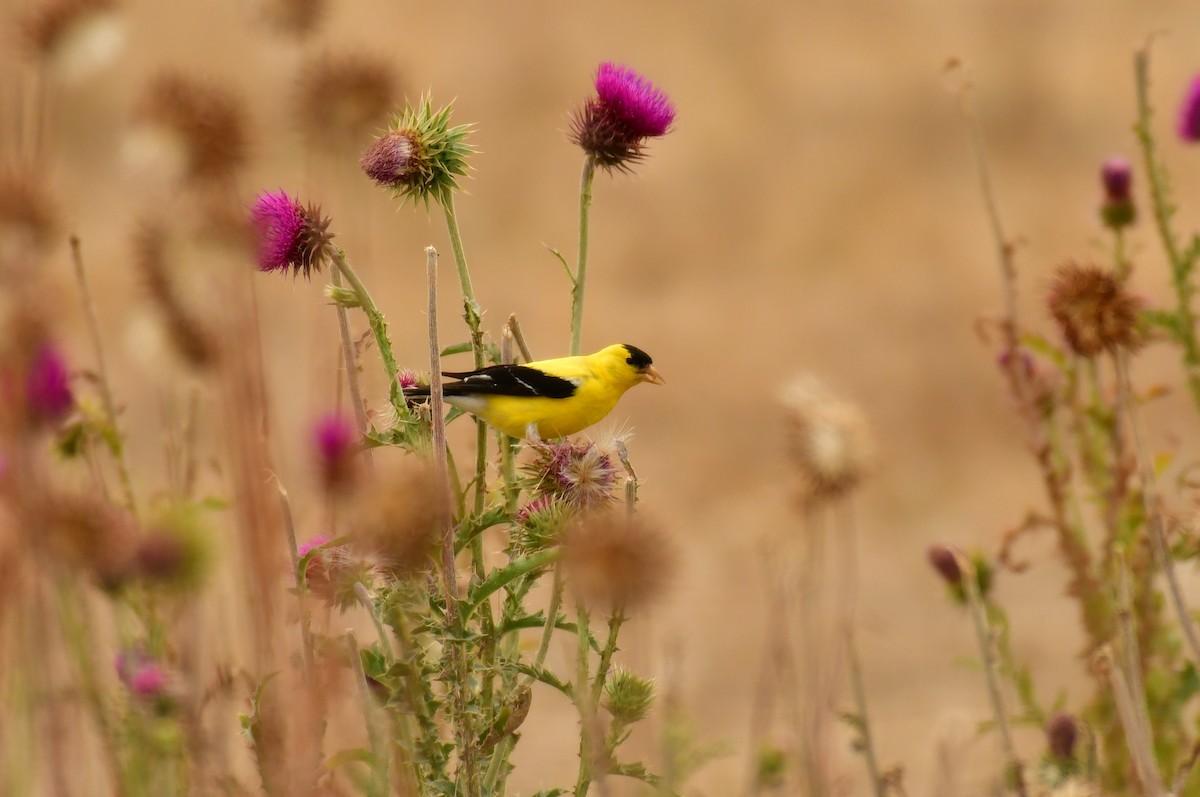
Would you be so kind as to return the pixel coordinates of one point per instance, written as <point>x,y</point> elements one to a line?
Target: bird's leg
<point>531,434</point>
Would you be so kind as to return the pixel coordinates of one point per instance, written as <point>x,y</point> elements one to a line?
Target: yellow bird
<point>548,398</point>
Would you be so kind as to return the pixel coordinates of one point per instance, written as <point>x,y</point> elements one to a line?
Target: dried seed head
<point>398,517</point>
<point>1093,310</point>
<point>628,696</point>
<point>89,534</point>
<point>191,338</point>
<point>1189,113</point>
<point>1062,731</point>
<point>76,37</point>
<point>341,99</point>
<point>290,236</point>
<point>27,222</point>
<point>829,441</point>
<point>421,156</point>
<point>582,474</point>
<point>204,123</point>
<point>616,562</point>
<point>298,18</point>
<point>613,126</point>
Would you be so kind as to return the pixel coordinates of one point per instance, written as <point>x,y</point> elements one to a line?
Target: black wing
<point>508,380</point>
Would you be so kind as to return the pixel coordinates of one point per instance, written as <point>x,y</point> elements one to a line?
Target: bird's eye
<point>629,360</point>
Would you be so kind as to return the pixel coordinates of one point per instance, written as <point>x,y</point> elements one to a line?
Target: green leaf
<point>457,348</point>
<point>566,266</point>
<point>475,525</point>
<point>352,755</point>
<point>545,676</point>
<point>551,793</point>
<point>1040,344</point>
<point>514,570</point>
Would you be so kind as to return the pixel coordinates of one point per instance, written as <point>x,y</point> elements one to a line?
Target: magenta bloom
<point>1189,113</point>
<point>290,236</point>
<point>1117,176</point>
<point>47,385</point>
<point>148,681</point>
<point>642,106</point>
<point>612,127</point>
<point>335,440</point>
<point>314,542</point>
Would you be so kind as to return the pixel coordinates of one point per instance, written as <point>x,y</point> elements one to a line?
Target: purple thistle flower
<point>612,126</point>
<point>1189,113</point>
<point>407,378</point>
<point>643,107</point>
<point>335,437</point>
<point>148,681</point>
<point>392,162</point>
<point>315,542</point>
<point>47,385</point>
<point>290,236</point>
<point>1117,176</point>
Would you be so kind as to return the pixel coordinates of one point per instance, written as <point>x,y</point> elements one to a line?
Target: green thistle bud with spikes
<point>628,696</point>
<point>421,155</point>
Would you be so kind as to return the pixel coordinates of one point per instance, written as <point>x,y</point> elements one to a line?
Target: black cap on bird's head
<point>643,364</point>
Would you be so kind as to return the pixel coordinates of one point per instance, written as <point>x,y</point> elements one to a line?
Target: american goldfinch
<point>549,398</point>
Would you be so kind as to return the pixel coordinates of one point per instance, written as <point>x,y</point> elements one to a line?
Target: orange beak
<point>649,374</point>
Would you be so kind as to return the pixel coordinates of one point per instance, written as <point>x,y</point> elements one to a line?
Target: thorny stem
<point>577,291</point>
<point>1154,520</point>
<point>1181,263</point>
<point>610,647</point>
<point>385,643</point>
<point>987,648</point>
<point>1130,647</point>
<point>379,758</point>
<point>1071,543</point>
<point>514,327</point>
<point>860,706</point>
<point>556,593</point>
<point>378,329</point>
<point>587,710</point>
<point>350,363</point>
<point>464,736</point>
<point>110,408</point>
<point>1141,746</point>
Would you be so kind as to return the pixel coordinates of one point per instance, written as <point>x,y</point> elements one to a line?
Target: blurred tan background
<point>814,210</point>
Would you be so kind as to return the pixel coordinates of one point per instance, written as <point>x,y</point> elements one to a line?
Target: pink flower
<point>148,681</point>
<point>1189,113</point>
<point>315,542</point>
<point>47,385</point>
<point>335,440</point>
<point>642,106</point>
<point>290,236</point>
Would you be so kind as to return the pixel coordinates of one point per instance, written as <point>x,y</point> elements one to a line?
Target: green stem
<point>577,291</point>
<point>511,572</point>
<point>610,647</point>
<point>385,644</point>
<point>556,593</point>
<point>583,703</point>
<point>106,396</point>
<point>378,786</point>
<point>378,328</point>
<point>860,706</point>
<point>350,362</point>
<point>1181,264</point>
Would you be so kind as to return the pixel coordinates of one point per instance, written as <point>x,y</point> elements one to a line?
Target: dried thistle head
<point>191,337</point>
<point>1093,309</point>
<point>201,124</point>
<point>581,473</point>
<point>89,534</point>
<point>74,36</point>
<point>298,18</point>
<point>828,439</point>
<point>616,562</point>
<point>27,219</point>
<point>398,515</point>
<point>342,98</point>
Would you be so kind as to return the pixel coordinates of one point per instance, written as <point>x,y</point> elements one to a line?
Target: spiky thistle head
<point>1117,210</point>
<point>421,156</point>
<point>1093,309</point>
<point>290,235</point>
<point>612,126</point>
<point>628,696</point>
<point>581,474</point>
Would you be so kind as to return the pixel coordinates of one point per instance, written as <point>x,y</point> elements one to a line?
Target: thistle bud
<point>1093,310</point>
<point>1062,731</point>
<point>612,126</point>
<point>343,297</point>
<point>628,696</point>
<point>1117,211</point>
<point>421,156</point>
<point>290,236</point>
<point>1189,113</point>
<point>335,442</point>
<point>944,560</point>
<point>48,396</point>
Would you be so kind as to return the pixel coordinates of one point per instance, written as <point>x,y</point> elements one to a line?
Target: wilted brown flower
<point>205,122</point>
<point>74,35</point>
<point>294,17</point>
<point>344,98</point>
<point>192,339</point>
<point>828,439</point>
<point>398,515</point>
<point>89,534</point>
<point>27,223</point>
<point>1093,310</point>
<point>615,561</point>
